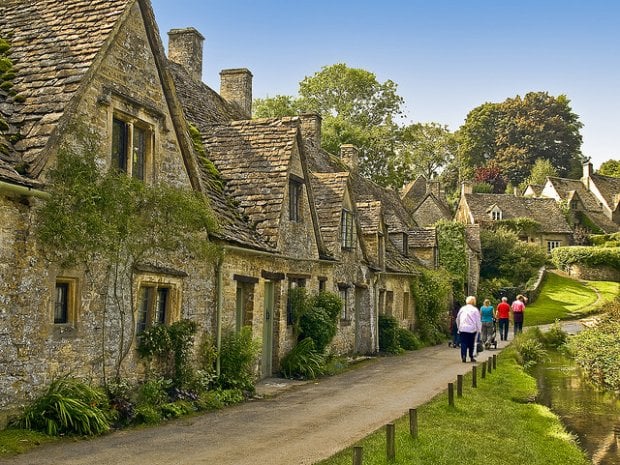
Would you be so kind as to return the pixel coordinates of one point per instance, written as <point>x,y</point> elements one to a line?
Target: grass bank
<point>493,424</point>
<point>565,298</point>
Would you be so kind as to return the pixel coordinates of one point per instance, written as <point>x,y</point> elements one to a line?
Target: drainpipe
<point>22,190</point>
<point>218,311</point>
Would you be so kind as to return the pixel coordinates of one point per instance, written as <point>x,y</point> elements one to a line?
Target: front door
<point>268,330</point>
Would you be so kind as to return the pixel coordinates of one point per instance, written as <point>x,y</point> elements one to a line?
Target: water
<point>590,414</point>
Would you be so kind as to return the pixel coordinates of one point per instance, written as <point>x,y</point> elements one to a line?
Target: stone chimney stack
<point>185,48</point>
<point>349,154</point>
<point>467,188</point>
<point>587,172</point>
<point>311,128</point>
<point>236,87</point>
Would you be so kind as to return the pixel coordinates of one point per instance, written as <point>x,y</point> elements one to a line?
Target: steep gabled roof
<point>329,196</point>
<point>370,213</point>
<point>564,187</point>
<point>545,211</point>
<point>53,46</point>
<point>254,157</point>
<point>423,238</point>
<point>609,187</point>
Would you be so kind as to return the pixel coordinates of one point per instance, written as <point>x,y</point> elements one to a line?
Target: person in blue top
<point>487,316</point>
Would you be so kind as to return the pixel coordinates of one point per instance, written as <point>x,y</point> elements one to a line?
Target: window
<point>405,244</point>
<point>347,230</point>
<point>64,302</point>
<point>294,200</point>
<point>496,214</point>
<point>344,296</point>
<point>322,284</point>
<point>552,245</point>
<point>293,283</point>
<point>130,147</point>
<point>154,306</point>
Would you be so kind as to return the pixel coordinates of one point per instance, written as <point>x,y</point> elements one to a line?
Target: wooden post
<point>413,422</point>
<point>459,385</point>
<point>484,370</point>
<point>617,436</point>
<point>474,376</point>
<point>490,365</point>
<point>390,435</point>
<point>357,455</point>
<point>451,394</point>
<point>495,361</point>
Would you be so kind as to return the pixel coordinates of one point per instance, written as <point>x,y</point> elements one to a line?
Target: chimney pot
<point>311,128</point>
<point>185,48</point>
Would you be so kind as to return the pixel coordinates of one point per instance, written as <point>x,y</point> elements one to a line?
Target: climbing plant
<point>453,253</point>
<point>432,292</point>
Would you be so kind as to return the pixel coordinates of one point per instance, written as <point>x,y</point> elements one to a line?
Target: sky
<point>447,57</point>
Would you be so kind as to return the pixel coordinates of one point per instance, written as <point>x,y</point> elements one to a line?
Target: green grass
<point>17,441</point>
<point>565,298</point>
<point>494,424</point>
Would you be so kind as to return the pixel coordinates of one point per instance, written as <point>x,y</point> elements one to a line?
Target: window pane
<point>144,298</point>
<point>294,200</point>
<point>119,145</point>
<point>61,307</point>
<point>161,305</point>
<point>139,153</point>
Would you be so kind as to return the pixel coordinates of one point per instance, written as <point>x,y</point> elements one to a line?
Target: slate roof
<point>53,45</point>
<point>609,187</point>
<point>329,191</point>
<point>253,157</point>
<point>423,238</point>
<point>544,211</point>
<point>370,216</point>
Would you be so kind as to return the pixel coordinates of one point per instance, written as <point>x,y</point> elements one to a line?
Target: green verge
<point>18,441</point>
<point>564,298</point>
<point>493,424</point>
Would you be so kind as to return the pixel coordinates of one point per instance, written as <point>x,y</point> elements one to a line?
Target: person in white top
<point>469,324</point>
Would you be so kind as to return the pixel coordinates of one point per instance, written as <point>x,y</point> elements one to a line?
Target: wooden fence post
<point>357,455</point>
<point>413,422</point>
<point>494,361</point>
<point>451,394</point>
<point>459,385</point>
<point>490,365</point>
<point>390,435</point>
<point>474,376</point>
<point>484,370</point>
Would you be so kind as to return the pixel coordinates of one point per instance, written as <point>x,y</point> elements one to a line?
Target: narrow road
<point>298,426</point>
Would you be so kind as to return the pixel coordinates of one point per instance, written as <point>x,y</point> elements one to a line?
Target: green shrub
<point>555,337</point>
<point>529,348</point>
<point>388,335</point>
<point>148,414</point>
<point>238,355</point>
<point>154,392</point>
<point>408,340</point>
<point>68,407</point>
<point>303,361</point>
<point>432,291</point>
<point>564,257</point>
<point>176,409</point>
<point>182,342</point>
<point>219,398</point>
<point>316,316</point>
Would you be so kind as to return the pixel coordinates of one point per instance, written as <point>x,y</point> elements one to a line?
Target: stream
<point>587,412</point>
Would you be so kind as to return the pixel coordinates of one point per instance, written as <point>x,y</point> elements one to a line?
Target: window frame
<point>148,310</point>
<point>347,229</point>
<point>70,302</point>
<point>295,194</point>
<point>124,154</point>
<point>553,244</point>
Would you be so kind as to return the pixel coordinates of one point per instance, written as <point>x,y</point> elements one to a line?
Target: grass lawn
<point>494,424</point>
<point>17,441</point>
<point>565,298</point>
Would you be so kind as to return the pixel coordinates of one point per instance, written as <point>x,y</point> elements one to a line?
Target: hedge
<point>564,257</point>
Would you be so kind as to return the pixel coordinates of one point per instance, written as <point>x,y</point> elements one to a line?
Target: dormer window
<point>347,230</point>
<point>294,199</point>
<point>496,213</point>
<point>131,147</point>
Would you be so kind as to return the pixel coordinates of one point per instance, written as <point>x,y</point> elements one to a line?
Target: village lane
<point>300,425</point>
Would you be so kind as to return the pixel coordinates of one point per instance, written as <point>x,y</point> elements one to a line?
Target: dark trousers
<point>467,344</point>
<point>518,327</point>
<point>503,328</point>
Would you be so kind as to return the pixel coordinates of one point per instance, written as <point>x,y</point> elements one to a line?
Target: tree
<point>610,168</point>
<point>518,131</point>
<point>273,107</point>
<point>491,175</point>
<point>542,169</point>
<point>424,149</point>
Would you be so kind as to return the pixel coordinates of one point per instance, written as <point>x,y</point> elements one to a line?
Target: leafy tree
<point>424,149</point>
<point>542,169</point>
<point>518,131</point>
<point>273,107</point>
<point>491,175</point>
<point>610,168</point>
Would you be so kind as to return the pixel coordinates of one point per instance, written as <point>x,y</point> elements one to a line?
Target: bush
<point>316,317</point>
<point>388,335</point>
<point>408,340</point>
<point>432,291</point>
<point>564,257</point>
<point>529,348</point>
<point>556,337</point>
<point>238,355</point>
<point>219,398</point>
<point>68,407</point>
<point>303,361</point>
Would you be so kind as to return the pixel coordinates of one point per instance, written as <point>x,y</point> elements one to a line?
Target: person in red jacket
<point>503,317</point>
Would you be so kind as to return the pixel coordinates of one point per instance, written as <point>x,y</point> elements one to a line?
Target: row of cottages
<point>290,214</point>
<point>592,201</point>
<point>486,209</point>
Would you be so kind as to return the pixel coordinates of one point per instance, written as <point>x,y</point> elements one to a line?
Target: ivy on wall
<point>453,253</point>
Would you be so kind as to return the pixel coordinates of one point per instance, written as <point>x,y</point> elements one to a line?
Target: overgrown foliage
<point>432,291</point>
<point>238,356</point>
<point>564,257</point>
<point>303,361</point>
<point>529,347</point>
<point>388,335</point>
<point>68,407</point>
<point>453,254</point>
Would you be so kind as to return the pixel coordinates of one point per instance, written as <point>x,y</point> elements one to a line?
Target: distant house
<point>486,209</point>
<point>425,202</point>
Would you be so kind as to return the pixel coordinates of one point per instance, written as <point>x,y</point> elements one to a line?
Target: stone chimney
<point>311,128</point>
<point>467,187</point>
<point>236,87</point>
<point>433,187</point>
<point>185,48</point>
<point>349,154</point>
<point>587,172</point>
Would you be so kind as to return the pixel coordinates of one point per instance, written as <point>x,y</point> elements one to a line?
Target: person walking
<point>487,317</point>
<point>503,318</point>
<point>469,324</point>
<point>518,308</point>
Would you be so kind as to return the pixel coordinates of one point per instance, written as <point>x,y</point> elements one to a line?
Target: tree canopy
<point>610,168</point>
